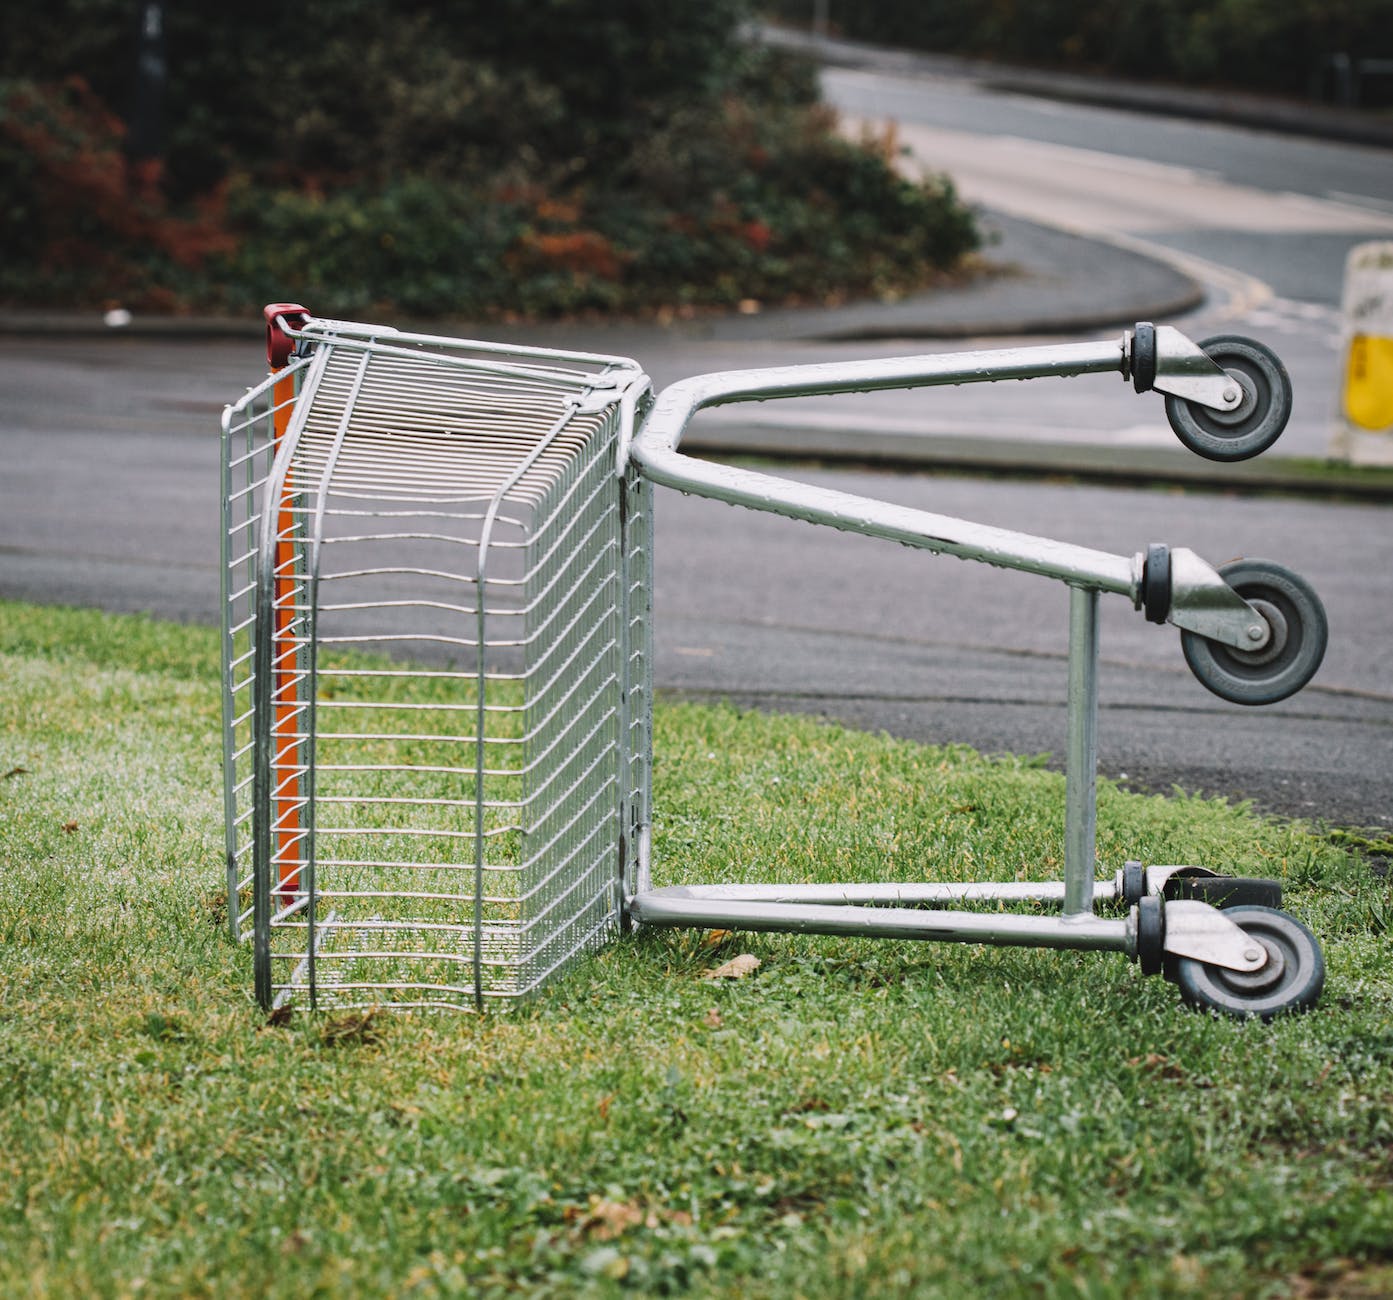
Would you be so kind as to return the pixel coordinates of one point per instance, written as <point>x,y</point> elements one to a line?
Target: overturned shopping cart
<point>438,666</point>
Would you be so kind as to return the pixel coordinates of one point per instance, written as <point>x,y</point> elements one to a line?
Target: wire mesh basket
<point>436,665</point>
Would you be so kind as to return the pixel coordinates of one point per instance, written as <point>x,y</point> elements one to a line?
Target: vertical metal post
<point>271,714</point>
<point>308,884</point>
<point>626,813</point>
<point>225,586</point>
<point>1081,770</point>
<point>641,839</point>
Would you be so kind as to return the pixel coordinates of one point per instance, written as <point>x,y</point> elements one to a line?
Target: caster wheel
<point>1256,422</point>
<point>1293,652</point>
<point>1291,980</point>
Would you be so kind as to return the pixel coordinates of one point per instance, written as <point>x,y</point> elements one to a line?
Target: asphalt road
<point>1265,221</point>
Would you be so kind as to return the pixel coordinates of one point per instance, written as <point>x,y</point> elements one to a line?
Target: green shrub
<point>563,156</point>
<point>77,221</point>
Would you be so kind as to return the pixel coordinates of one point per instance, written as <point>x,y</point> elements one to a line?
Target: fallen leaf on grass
<point>715,938</point>
<point>712,1019</point>
<point>215,905</point>
<point>1155,1063</point>
<point>69,827</point>
<point>352,1029</point>
<point>280,1015</point>
<point>605,1220</point>
<point>15,771</point>
<point>735,969</point>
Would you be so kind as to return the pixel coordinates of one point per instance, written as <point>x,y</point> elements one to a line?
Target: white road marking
<point>1087,189</point>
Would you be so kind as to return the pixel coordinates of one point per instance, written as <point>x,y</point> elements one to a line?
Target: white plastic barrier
<point>1364,424</point>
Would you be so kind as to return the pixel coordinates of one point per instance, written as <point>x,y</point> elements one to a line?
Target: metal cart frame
<point>1252,632</point>
<point>1177,587</point>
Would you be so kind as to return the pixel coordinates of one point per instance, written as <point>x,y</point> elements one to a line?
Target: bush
<point>79,223</point>
<point>530,157</point>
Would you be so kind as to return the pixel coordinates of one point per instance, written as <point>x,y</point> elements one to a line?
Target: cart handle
<point>655,449</point>
<point>284,320</point>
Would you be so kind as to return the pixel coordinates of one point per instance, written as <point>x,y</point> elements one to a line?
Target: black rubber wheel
<point>1144,356</point>
<point>1151,935</point>
<point>1256,422</point>
<point>1289,660</point>
<point>1156,583</point>
<point>1290,981</point>
<point>1225,891</point>
<point>1133,883</point>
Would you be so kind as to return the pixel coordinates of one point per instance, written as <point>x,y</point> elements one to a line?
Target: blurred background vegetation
<point>514,158</point>
<point>1271,45</point>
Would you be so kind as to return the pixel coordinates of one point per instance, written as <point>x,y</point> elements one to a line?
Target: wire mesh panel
<point>436,671</point>
<point>251,431</point>
<point>638,655</point>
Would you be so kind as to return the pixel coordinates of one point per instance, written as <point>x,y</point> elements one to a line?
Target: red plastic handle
<point>281,316</point>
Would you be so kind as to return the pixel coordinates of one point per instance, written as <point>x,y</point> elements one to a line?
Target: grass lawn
<point>856,1118</point>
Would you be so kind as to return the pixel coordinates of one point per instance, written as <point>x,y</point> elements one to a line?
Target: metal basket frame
<point>520,493</point>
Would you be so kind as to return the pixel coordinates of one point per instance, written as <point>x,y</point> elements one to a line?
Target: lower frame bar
<point>885,893</point>
<point>686,907</point>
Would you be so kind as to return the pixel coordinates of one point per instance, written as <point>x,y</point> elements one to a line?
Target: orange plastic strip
<point>282,317</point>
<point>283,690</point>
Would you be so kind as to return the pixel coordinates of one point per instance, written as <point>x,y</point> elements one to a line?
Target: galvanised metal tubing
<point>264,671</point>
<point>662,908</point>
<point>481,578</point>
<point>308,882</point>
<point>1081,764</point>
<point>247,409</point>
<point>625,792</point>
<point>261,768</point>
<point>655,449</point>
<point>351,334</point>
<point>628,815</point>
<point>642,865</point>
<point>228,706</point>
<point>885,892</point>
<point>635,403</point>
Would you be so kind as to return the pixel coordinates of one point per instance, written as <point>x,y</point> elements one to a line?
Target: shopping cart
<point>438,667</point>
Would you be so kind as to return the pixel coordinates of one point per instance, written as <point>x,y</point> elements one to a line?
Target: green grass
<point>857,1118</point>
